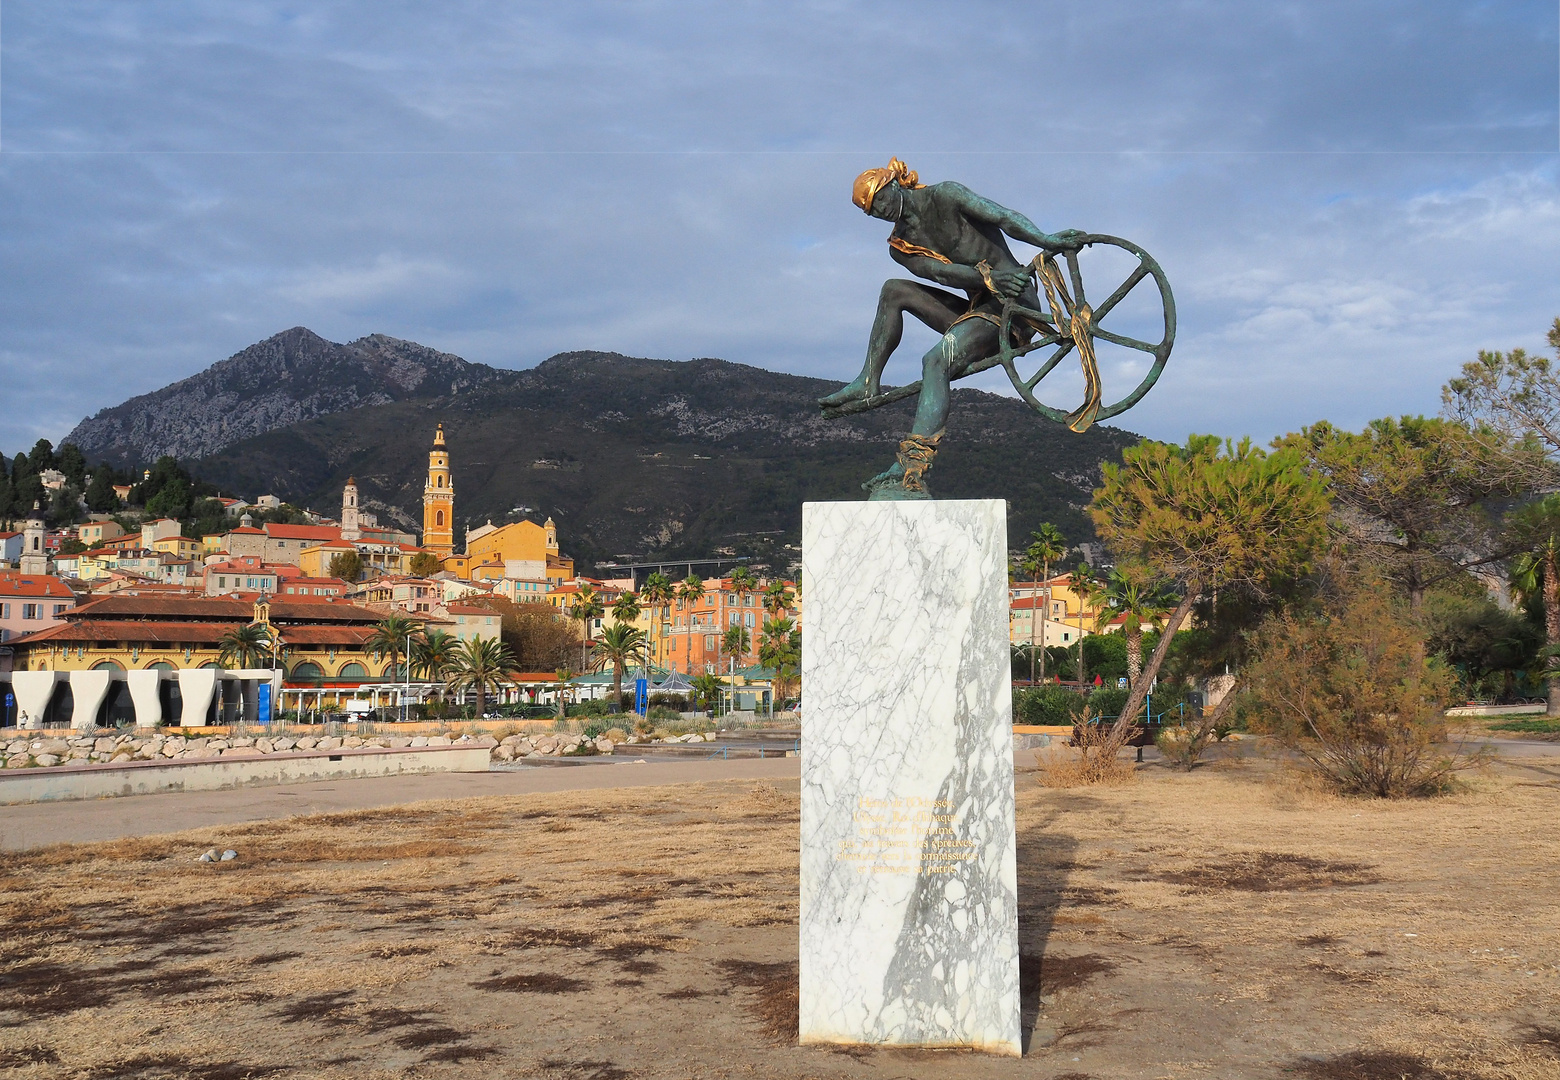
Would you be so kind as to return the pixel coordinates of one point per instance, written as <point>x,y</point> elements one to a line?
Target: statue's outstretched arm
<point>1011,222</point>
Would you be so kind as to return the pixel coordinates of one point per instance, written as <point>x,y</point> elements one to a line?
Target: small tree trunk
<point>1146,677</point>
<point>1552,622</point>
<point>1134,654</point>
<point>617,683</point>
<point>481,700</point>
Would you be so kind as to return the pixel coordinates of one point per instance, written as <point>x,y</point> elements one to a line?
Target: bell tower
<point>351,524</point>
<point>439,500</point>
<point>35,553</point>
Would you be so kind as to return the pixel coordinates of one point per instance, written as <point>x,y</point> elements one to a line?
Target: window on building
<point>748,619</point>
<point>32,611</point>
<point>5,611</point>
<point>58,608</point>
<point>438,515</point>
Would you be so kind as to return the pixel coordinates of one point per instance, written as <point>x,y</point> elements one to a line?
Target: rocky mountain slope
<point>291,377</point>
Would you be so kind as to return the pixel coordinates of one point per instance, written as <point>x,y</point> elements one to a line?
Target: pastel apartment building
<point>29,603</point>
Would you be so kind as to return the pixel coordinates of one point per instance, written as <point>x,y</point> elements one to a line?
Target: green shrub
<point>1107,702</point>
<point>595,730</point>
<point>1047,705</point>
<point>662,712</point>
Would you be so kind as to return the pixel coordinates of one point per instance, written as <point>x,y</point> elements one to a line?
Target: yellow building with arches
<point>315,643</point>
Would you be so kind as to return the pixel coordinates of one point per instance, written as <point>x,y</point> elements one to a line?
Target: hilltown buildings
<point>155,601</point>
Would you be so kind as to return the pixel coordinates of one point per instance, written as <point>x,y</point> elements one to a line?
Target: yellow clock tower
<point>439,500</point>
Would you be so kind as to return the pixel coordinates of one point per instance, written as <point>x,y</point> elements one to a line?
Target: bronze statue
<point>945,233</point>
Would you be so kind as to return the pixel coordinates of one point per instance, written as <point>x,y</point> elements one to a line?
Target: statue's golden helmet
<point>870,182</point>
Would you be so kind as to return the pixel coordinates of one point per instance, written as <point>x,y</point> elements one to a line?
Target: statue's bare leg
<point>971,340</point>
<point>936,308</point>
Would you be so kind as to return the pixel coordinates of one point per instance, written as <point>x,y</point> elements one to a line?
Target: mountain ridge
<point>654,459</point>
<point>292,376</point>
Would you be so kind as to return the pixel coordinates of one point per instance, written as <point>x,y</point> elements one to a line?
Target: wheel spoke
<point>1121,293</point>
<point>1122,339</point>
<point>1045,368</point>
<point>1077,278</point>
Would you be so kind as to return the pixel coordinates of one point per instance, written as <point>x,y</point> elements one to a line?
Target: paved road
<point>38,824</point>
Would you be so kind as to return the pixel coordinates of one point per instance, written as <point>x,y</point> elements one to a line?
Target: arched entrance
<point>62,706</point>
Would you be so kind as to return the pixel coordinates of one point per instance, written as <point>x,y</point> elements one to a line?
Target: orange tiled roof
<point>14,584</point>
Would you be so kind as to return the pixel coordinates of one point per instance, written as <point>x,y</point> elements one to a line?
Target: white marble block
<point>909,899</point>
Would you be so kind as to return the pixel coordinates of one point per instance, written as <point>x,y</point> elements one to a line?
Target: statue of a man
<point>947,234</point>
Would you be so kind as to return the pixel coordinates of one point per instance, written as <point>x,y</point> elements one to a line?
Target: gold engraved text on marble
<point>910,835</point>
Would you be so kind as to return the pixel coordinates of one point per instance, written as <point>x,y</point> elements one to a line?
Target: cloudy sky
<point>1350,198</point>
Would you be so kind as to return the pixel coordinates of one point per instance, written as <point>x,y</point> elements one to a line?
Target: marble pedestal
<point>909,907</point>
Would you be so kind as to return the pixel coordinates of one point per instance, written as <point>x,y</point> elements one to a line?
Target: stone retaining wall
<point>38,752</point>
<point>130,776</point>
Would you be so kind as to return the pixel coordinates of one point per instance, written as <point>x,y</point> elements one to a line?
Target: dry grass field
<point>1229,923</point>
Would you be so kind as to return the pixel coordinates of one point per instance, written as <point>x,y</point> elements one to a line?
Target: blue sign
<point>265,702</point>
<point>641,694</point>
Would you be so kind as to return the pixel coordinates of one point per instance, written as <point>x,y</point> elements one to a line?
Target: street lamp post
<point>407,685</point>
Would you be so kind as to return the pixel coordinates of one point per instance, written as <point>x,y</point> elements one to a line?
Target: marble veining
<point>909,913</point>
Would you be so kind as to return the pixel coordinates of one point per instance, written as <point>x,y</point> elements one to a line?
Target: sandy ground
<point>40,824</point>
<point>1230,923</point>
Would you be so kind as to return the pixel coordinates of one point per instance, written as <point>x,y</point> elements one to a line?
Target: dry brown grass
<point>1225,923</point>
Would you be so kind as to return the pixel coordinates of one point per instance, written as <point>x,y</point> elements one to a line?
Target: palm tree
<point>1134,595</point>
<point>620,646</point>
<point>433,653</point>
<point>1086,588</point>
<point>478,664</point>
<point>390,636</point>
<point>564,675</point>
<point>1046,545</point>
<point>657,595</point>
<point>244,646</point>
<point>781,650</point>
<point>707,689</point>
<point>736,641</point>
<point>777,599</point>
<point>626,608</point>
<point>743,581</point>
<point>587,606</point>
<point>1536,571</point>
<point>691,590</point>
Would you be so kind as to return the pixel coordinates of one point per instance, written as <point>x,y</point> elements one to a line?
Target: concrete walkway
<point>39,824</point>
